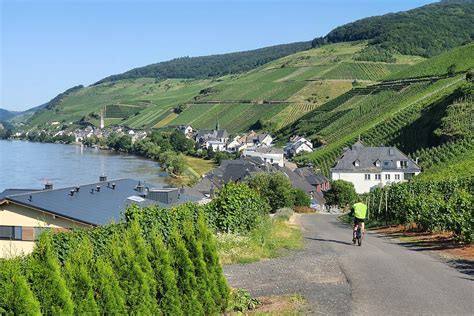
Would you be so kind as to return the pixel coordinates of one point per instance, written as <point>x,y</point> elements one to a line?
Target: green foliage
<point>241,301</point>
<point>186,278</point>
<point>446,205</point>
<point>180,143</point>
<point>46,280</point>
<point>211,66</point>
<point>78,276</point>
<point>301,198</point>
<point>109,295</point>
<point>166,287</point>
<point>375,54</point>
<point>275,187</point>
<point>459,120</point>
<point>16,297</point>
<point>236,208</point>
<point>129,257</point>
<point>341,193</point>
<point>410,32</point>
<point>172,162</point>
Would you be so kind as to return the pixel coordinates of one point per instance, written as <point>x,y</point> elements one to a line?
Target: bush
<point>284,213</point>
<point>342,193</point>
<point>301,198</point>
<point>236,208</point>
<point>275,187</point>
<point>303,210</point>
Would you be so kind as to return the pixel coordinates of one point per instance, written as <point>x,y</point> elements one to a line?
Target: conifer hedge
<point>157,261</point>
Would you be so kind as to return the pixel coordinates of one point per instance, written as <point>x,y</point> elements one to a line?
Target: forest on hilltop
<point>426,31</point>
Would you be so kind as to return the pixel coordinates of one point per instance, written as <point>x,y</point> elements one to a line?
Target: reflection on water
<point>28,165</point>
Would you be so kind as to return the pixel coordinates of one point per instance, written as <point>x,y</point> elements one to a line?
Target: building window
<point>403,164</point>
<point>11,232</point>
<point>378,177</point>
<point>386,163</point>
<point>357,163</point>
<point>367,176</point>
<point>397,177</point>
<point>387,177</point>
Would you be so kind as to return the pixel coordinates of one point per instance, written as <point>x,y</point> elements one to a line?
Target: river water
<point>29,165</point>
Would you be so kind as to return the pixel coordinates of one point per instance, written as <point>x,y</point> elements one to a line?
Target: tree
<point>166,288</point>
<point>129,256</point>
<point>186,278</point>
<point>301,198</point>
<point>342,193</point>
<point>237,208</point>
<point>452,70</point>
<point>46,280</point>
<point>172,162</point>
<point>109,295</point>
<point>77,273</point>
<point>16,297</point>
<point>180,143</point>
<point>469,75</point>
<point>275,187</point>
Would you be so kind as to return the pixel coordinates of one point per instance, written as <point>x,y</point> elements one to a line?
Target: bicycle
<point>359,236</point>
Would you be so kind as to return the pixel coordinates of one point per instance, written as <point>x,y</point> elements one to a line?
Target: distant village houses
<point>296,145</point>
<point>269,155</point>
<point>371,167</point>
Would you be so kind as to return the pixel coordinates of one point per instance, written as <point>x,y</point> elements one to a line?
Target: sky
<point>47,47</point>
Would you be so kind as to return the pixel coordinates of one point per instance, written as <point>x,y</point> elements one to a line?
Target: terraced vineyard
<point>362,71</point>
<point>122,110</point>
<point>232,117</point>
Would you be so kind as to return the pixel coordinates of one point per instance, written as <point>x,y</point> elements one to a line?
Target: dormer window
<point>403,164</point>
<point>377,163</point>
<point>357,163</point>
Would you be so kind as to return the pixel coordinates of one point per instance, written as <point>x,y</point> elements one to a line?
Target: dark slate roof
<point>211,134</point>
<point>368,156</point>
<point>97,208</point>
<point>8,192</point>
<point>311,176</point>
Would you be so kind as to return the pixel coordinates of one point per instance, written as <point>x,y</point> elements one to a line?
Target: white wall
<point>363,186</point>
<point>270,158</point>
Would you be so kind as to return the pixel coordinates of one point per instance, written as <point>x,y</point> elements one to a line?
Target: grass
<point>267,241</point>
<point>195,168</point>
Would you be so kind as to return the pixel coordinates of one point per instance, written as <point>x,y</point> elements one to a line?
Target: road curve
<point>380,278</point>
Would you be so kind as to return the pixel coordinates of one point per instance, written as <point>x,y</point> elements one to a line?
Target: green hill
<point>461,57</point>
<point>211,66</point>
<point>426,31</point>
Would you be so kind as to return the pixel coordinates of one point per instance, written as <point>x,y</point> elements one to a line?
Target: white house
<point>371,167</point>
<point>267,154</point>
<point>187,130</point>
<point>297,145</point>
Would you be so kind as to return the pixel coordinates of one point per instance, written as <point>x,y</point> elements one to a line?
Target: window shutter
<point>28,234</point>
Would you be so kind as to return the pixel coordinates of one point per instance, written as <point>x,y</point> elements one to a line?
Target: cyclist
<point>359,211</point>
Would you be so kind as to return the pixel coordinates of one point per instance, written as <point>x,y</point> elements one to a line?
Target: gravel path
<point>381,277</point>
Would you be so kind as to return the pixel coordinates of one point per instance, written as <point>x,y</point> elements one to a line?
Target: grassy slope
<point>462,57</point>
<point>306,80</point>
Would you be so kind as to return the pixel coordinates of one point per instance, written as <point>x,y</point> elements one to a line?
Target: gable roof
<point>88,205</point>
<point>368,156</point>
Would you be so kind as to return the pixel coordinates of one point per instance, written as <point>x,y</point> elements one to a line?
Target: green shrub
<point>46,280</point>
<point>16,297</point>
<point>78,276</point>
<point>236,208</point>
<point>109,295</point>
<point>241,301</point>
<point>342,193</point>
<point>301,198</point>
<point>284,213</point>
<point>275,187</point>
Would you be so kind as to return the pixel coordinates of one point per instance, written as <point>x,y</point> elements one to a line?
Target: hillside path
<point>383,277</point>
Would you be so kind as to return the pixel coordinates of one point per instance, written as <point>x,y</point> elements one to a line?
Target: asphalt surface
<point>382,277</point>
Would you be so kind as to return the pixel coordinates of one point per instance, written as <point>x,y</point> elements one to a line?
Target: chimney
<point>48,186</point>
<point>140,188</point>
<point>76,189</point>
<point>102,178</point>
<point>113,185</point>
<point>97,188</point>
<point>71,193</point>
<point>391,152</point>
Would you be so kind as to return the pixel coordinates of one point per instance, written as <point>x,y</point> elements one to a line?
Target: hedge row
<point>155,262</point>
<point>446,205</point>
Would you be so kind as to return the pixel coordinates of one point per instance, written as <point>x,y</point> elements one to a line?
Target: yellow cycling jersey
<point>360,210</point>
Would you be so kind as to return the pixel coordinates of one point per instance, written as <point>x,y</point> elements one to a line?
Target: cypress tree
<point>77,273</point>
<point>46,280</point>
<point>218,282</point>
<point>186,279</point>
<point>166,287</point>
<point>110,297</point>
<point>130,261</point>
<point>16,297</point>
<point>196,254</point>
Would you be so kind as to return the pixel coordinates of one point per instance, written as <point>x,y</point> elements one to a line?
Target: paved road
<point>380,278</point>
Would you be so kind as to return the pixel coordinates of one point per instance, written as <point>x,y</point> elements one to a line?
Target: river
<point>29,165</point>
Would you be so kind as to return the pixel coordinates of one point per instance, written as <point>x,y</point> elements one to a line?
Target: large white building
<point>269,155</point>
<point>371,167</point>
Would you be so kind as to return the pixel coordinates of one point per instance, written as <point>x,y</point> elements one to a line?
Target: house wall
<point>17,215</point>
<point>303,147</point>
<point>363,186</point>
<point>270,158</point>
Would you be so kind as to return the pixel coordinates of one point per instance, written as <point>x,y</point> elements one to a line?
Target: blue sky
<point>50,46</point>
